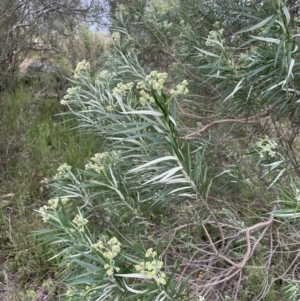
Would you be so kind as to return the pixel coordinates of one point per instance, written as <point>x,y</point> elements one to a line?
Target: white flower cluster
<point>215,38</point>
<point>70,291</point>
<point>122,89</point>
<point>297,19</point>
<point>245,60</point>
<point>101,160</point>
<point>121,9</point>
<point>63,171</point>
<point>109,108</point>
<point>71,93</point>
<point>80,222</point>
<point>266,146</point>
<point>52,204</point>
<point>180,89</point>
<point>156,80</point>
<point>104,76</point>
<point>297,195</point>
<point>109,251</point>
<point>85,294</point>
<point>152,267</point>
<point>44,213</point>
<point>116,38</point>
<point>145,97</point>
<point>82,67</point>
<point>159,7</point>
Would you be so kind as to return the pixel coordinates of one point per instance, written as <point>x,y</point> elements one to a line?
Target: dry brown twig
<point>253,120</point>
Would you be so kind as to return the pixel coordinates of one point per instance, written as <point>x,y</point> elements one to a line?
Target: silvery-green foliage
<point>163,190</point>
<point>143,170</point>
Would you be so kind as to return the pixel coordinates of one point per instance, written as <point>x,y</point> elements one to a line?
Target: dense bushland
<point>192,190</point>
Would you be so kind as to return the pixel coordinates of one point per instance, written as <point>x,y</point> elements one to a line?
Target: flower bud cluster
<point>266,146</point>
<point>52,204</point>
<point>122,89</point>
<point>109,251</point>
<point>152,267</point>
<point>145,97</point>
<point>104,77</point>
<point>297,195</point>
<point>116,38</point>
<point>109,108</point>
<point>71,93</point>
<point>63,171</point>
<point>158,7</point>
<point>101,160</point>
<point>180,89</point>
<point>88,293</point>
<point>82,67</point>
<point>70,291</point>
<point>215,38</point>
<point>80,222</point>
<point>44,213</point>
<point>121,10</point>
<point>156,80</point>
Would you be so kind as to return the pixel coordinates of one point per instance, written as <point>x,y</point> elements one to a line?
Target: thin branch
<point>243,120</point>
<point>247,231</point>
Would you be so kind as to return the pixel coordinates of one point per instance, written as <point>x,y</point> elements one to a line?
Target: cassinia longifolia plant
<point>194,192</point>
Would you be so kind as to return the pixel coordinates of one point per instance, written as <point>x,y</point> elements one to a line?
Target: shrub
<point>194,176</point>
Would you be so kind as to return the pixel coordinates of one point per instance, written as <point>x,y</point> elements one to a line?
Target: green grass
<point>33,143</point>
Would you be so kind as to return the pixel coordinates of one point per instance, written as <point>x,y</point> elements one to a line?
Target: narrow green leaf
<point>264,39</point>
<point>277,178</point>
<point>237,87</point>
<point>153,162</point>
<point>257,26</point>
<point>290,68</point>
<point>287,14</point>
<point>207,53</point>
<point>143,112</point>
<point>133,275</point>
